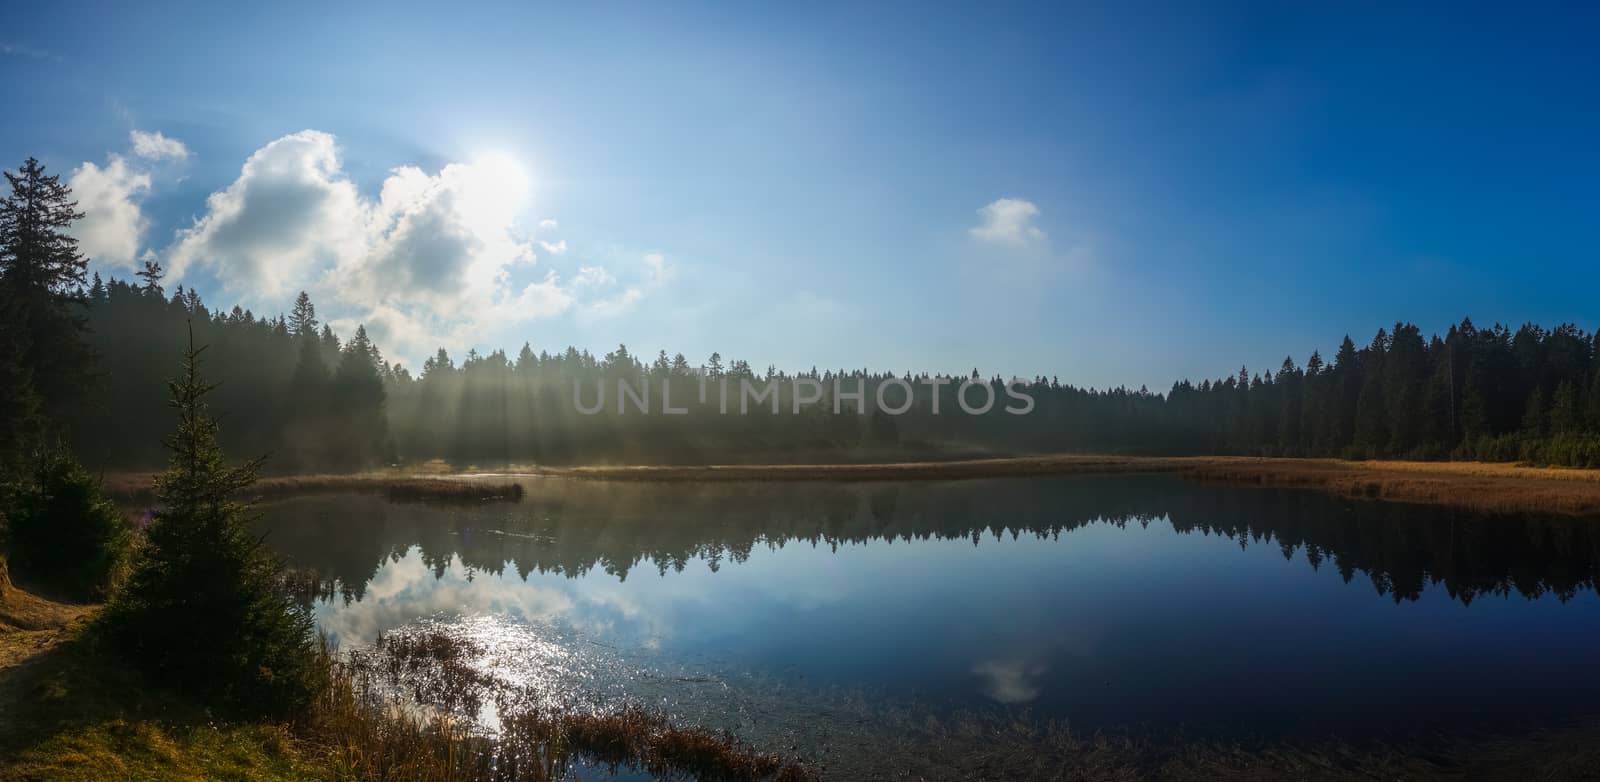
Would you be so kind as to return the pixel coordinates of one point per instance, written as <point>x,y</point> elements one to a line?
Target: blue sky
<point>1111,193</point>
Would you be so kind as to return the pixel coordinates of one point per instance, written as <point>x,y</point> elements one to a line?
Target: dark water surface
<point>803,613</point>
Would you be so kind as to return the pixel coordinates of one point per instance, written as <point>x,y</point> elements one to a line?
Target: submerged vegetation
<point>374,734</point>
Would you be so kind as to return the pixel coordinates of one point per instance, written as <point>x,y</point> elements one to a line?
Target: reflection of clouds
<point>647,608</point>
<point>1010,681</point>
<point>1014,678</point>
<point>404,590</point>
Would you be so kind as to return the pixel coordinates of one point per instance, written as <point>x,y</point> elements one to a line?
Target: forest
<point>86,360</point>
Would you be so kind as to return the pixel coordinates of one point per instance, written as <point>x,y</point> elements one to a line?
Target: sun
<point>494,187</point>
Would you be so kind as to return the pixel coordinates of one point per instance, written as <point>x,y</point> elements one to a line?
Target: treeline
<point>316,402</point>
<point>85,361</point>
<point>292,388</point>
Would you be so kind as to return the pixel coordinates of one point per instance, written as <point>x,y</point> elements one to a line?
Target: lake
<point>826,619</point>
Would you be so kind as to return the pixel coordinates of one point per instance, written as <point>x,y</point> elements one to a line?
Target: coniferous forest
<point>86,359</point>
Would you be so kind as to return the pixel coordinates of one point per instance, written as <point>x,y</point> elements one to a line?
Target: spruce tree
<point>303,321</point>
<point>63,533</point>
<point>205,611</point>
<point>1566,416</point>
<point>19,402</point>
<point>44,277</point>
<point>151,276</point>
<point>358,399</point>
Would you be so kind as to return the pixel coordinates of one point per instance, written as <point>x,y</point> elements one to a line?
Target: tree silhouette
<point>44,276</point>
<point>204,609</point>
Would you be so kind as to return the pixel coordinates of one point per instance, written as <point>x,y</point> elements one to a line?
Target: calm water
<point>806,614</point>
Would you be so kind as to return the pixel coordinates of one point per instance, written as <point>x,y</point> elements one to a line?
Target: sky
<point>1109,193</point>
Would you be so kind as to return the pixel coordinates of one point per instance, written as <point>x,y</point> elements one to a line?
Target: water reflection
<point>1105,601</point>
<point>575,528</point>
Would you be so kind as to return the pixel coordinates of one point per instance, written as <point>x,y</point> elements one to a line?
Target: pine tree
<point>151,275</point>
<point>36,251</point>
<point>1565,414</point>
<point>1534,416</point>
<point>303,321</point>
<point>358,398</point>
<point>204,610</point>
<point>19,402</point>
<point>1593,403</point>
<point>44,276</point>
<point>62,532</point>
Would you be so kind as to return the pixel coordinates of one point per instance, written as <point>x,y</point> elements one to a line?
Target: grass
<point>1478,486</point>
<point>21,610</point>
<point>366,734</point>
<point>67,712</point>
<point>400,487</point>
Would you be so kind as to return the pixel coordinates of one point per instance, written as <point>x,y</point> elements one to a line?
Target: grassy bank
<point>399,486</point>
<point>1478,486</point>
<point>71,710</point>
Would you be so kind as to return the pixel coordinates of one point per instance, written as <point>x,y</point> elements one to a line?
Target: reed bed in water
<point>368,730</point>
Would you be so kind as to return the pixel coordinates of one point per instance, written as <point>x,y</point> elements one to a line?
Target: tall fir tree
<point>205,609</point>
<point>44,277</point>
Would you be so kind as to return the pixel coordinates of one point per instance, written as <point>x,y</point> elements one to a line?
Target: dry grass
<point>1479,486</point>
<point>1022,466</point>
<point>23,611</point>
<point>366,733</point>
<point>397,486</point>
<point>1476,486</point>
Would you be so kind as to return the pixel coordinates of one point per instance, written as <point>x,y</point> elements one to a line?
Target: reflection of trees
<point>572,528</point>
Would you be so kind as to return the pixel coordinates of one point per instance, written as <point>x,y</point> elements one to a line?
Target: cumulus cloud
<point>434,259</point>
<point>155,146</point>
<point>112,220</point>
<point>1007,221</point>
<point>290,211</point>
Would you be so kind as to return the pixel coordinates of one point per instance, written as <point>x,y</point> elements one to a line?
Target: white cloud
<point>654,271</point>
<point>154,146</point>
<point>659,271</point>
<point>1007,221</point>
<point>112,221</point>
<point>434,259</point>
<point>290,211</point>
<point>593,277</point>
<point>615,305</point>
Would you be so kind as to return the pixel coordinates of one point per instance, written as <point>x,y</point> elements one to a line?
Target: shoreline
<point>1475,486</point>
